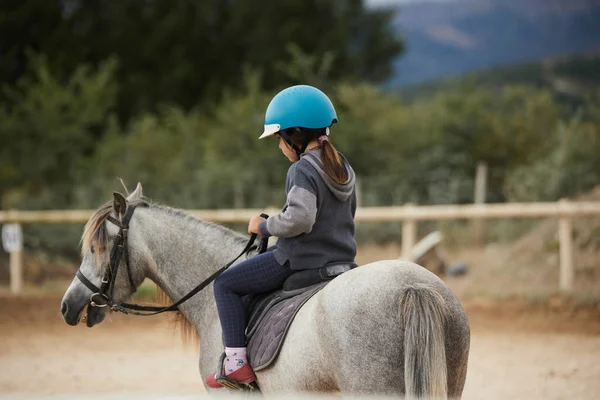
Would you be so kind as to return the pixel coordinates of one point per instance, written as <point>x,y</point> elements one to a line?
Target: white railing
<point>408,214</point>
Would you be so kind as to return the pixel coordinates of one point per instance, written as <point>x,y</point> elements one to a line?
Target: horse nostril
<point>64,308</point>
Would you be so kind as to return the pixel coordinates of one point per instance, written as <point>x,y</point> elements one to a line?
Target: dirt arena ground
<point>516,353</point>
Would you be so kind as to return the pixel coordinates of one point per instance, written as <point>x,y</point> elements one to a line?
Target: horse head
<point>106,275</point>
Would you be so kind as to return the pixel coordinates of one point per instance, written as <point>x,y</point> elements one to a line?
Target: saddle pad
<point>268,335</point>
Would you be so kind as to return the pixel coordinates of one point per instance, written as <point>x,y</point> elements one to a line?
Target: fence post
<point>565,237</point>
<point>409,234</point>
<point>479,199</point>
<point>16,271</point>
<point>481,182</point>
<point>12,242</point>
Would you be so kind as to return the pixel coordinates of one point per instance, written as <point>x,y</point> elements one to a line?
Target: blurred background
<point>172,93</point>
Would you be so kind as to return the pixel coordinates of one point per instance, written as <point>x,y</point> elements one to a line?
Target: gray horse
<point>389,327</point>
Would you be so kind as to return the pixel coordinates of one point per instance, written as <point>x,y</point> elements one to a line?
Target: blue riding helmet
<point>300,106</point>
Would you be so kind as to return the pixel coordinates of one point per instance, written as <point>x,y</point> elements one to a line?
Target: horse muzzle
<point>71,312</point>
<point>73,307</point>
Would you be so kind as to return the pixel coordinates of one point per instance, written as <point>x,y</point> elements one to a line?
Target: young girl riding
<point>315,227</point>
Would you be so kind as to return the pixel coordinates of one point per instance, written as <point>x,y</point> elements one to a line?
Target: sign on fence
<point>12,238</point>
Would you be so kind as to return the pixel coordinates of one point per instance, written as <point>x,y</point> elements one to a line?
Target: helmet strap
<point>299,150</point>
<point>304,145</point>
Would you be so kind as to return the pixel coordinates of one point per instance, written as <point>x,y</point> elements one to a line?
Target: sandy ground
<point>516,353</point>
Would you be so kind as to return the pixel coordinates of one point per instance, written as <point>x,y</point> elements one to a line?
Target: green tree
<point>568,164</point>
<point>49,127</point>
<point>186,52</point>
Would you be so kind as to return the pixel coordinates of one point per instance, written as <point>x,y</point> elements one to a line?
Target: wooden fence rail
<point>408,214</point>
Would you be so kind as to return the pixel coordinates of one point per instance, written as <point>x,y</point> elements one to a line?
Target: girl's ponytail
<point>332,162</point>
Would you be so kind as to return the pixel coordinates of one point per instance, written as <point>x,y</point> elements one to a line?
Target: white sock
<point>235,359</point>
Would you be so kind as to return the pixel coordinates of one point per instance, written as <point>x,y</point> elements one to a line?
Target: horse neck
<point>180,252</point>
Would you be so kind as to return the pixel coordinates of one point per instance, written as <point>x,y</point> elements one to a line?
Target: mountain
<point>454,37</point>
<point>570,78</point>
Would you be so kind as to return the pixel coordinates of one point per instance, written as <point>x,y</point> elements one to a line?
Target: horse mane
<point>188,331</point>
<point>94,235</point>
<point>95,238</point>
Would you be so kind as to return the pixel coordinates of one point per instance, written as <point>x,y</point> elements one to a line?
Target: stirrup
<point>229,383</point>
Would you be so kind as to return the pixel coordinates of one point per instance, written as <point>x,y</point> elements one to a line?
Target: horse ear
<point>137,193</point>
<point>119,203</point>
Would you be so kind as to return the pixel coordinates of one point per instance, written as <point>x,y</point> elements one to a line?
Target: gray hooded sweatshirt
<point>316,225</point>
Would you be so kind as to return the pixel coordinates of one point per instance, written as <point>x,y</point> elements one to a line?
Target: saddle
<point>270,315</point>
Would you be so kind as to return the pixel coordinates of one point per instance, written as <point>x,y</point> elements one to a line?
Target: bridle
<point>103,296</point>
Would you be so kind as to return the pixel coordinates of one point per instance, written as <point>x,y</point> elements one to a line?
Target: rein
<point>102,297</point>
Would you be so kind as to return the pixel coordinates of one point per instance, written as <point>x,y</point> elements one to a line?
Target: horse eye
<point>92,249</point>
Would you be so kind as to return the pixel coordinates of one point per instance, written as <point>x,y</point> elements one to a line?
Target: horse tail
<point>424,350</point>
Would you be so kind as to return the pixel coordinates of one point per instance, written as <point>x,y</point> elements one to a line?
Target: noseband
<point>103,296</point>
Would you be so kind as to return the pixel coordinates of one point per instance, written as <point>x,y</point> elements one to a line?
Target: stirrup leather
<point>229,383</point>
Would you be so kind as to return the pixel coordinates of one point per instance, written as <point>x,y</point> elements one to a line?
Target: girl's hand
<point>254,223</point>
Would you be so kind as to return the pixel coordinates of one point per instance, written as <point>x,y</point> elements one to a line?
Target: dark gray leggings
<point>261,273</point>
